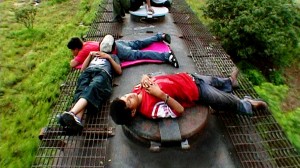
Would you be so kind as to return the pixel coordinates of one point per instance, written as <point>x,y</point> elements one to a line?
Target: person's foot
<point>71,120</point>
<point>60,121</point>
<point>173,60</point>
<point>256,104</point>
<point>167,38</point>
<point>233,77</point>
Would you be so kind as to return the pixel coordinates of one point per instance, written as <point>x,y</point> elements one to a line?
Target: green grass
<point>197,6</point>
<point>33,64</point>
<point>289,120</point>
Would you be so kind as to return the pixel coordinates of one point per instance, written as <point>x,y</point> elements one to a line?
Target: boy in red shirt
<point>81,50</point>
<point>167,96</point>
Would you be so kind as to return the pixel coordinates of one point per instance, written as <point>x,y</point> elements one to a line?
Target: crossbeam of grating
<point>60,149</point>
<point>259,141</point>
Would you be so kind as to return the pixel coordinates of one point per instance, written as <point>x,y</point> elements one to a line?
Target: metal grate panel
<point>60,149</point>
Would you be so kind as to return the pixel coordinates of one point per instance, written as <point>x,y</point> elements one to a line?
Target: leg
<point>95,94</point>
<point>74,116</point>
<point>79,108</point>
<point>140,44</point>
<point>119,8</point>
<point>82,82</point>
<point>98,91</point>
<point>219,100</point>
<point>223,84</point>
<point>130,55</point>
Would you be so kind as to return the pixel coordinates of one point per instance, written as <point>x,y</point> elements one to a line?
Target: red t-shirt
<point>85,51</point>
<point>179,86</point>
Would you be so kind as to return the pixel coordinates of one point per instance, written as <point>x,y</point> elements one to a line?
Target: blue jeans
<point>216,93</point>
<point>130,50</point>
<point>94,85</point>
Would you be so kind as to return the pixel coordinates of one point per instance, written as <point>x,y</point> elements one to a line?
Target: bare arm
<point>116,66</point>
<point>87,61</point>
<point>149,8</point>
<point>73,63</point>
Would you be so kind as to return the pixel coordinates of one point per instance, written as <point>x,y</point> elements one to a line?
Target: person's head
<point>75,45</point>
<point>123,109</point>
<point>107,44</point>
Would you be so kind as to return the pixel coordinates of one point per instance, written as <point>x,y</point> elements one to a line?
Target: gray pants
<point>216,93</point>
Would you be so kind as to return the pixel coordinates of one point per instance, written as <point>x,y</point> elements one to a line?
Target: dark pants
<point>216,93</point>
<point>95,86</point>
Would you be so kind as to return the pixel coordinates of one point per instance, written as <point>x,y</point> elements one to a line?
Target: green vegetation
<point>34,62</point>
<point>278,33</point>
<point>26,15</point>
<point>257,31</point>
<point>289,120</point>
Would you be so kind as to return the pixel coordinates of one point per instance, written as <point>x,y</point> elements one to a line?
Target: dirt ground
<point>293,81</point>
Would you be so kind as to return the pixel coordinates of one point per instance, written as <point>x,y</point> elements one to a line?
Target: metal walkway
<point>258,141</point>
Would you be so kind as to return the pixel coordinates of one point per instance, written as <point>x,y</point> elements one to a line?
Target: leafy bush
<point>254,76</point>
<point>26,15</point>
<point>263,32</point>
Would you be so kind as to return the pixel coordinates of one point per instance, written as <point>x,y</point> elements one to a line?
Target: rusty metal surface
<point>258,141</point>
<point>191,123</point>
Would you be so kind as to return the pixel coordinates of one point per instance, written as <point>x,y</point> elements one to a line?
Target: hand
<point>94,53</point>
<point>150,9</point>
<point>146,81</point>
<point>155,90</point>
<point>102,55</point>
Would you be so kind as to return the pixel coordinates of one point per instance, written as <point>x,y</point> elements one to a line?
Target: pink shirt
<point>85,51</point>
<point>179,86</point>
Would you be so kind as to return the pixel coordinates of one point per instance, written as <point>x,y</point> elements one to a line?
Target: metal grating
<point>259,141</point>
<point>60,149</point>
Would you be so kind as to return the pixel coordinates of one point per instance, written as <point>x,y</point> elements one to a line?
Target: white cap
<point>107,43</point>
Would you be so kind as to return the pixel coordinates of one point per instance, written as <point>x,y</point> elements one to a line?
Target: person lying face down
<point>167,95</point>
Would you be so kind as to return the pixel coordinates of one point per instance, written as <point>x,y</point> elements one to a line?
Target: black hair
<point>74,43</point>
<point>120,113</point>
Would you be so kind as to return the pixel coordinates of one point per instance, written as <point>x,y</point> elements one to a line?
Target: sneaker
<point>167,38</point>
<point>60,121</point>
<point>173,60</point>
<point>255,103</point>
<point>233,77</point>
<point>71,120</point>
